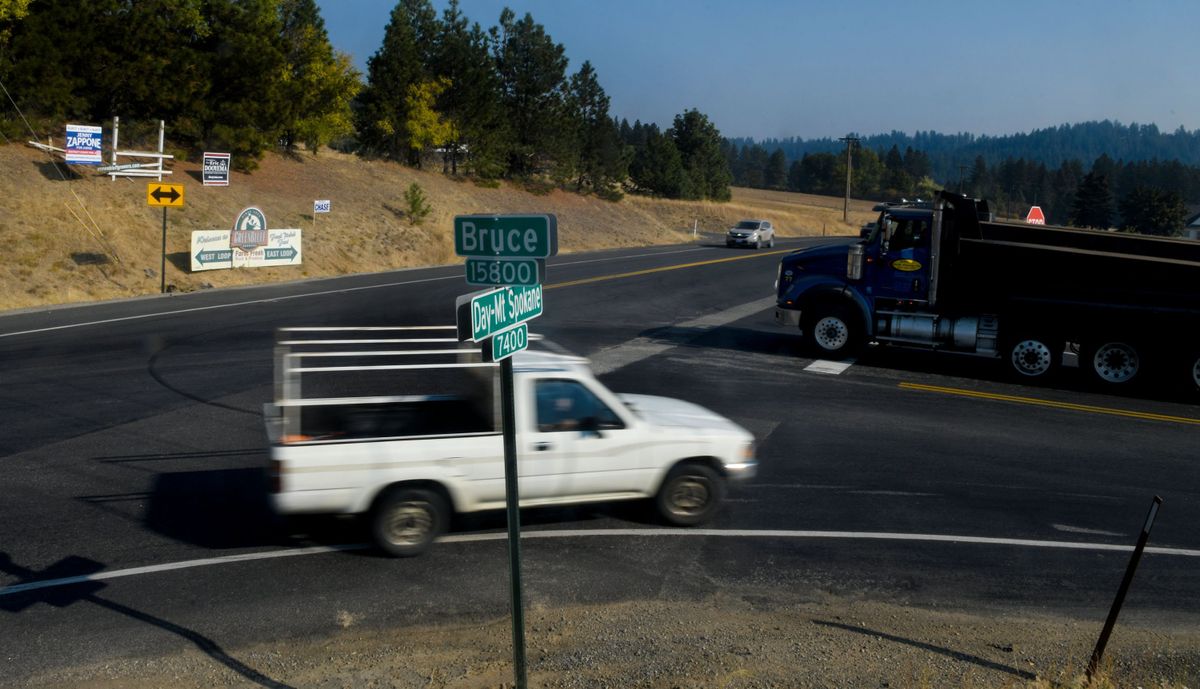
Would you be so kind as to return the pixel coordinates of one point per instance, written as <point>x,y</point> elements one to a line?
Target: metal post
<point>162,131</point>
<point>511,494</point>
<point>162,269</point>
<point>1115,610</point>
<point>850,141</point>
<point>116,131</point>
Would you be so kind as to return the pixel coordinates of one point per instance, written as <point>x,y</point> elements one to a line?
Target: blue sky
<point>773,69</point>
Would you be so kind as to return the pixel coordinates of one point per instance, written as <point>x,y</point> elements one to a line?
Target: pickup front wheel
<point>690,495</point>
<point>405,521</point>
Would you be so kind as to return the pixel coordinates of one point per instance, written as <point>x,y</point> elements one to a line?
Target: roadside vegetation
<point>76,238</point>
<point>252,77</point>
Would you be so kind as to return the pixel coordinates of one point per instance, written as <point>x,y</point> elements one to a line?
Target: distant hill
<point>1084,142</point>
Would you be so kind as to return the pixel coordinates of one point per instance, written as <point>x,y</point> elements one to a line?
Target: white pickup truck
<point>410,461</point>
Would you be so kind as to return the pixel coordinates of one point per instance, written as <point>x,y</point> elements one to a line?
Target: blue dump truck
<point>951,278</point>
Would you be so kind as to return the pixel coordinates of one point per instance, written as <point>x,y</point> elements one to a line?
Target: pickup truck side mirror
<point>590,426</point>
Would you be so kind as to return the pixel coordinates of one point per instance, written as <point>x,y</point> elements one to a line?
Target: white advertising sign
<point>211,251</point>
<point>321,206</point>
<point>83,144</point>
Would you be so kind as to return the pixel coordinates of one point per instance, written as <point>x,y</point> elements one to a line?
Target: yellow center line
<point>1051,403</point>
<point>619,276</point>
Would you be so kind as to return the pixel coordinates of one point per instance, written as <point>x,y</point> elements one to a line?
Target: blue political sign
<point>83,144</point>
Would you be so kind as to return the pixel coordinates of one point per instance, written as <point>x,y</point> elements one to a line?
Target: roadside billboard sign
<point>83,144</point>
<point>216,169</point>
<point>211,250</point>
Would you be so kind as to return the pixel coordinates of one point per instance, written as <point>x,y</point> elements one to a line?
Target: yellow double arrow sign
<point>164,195</point>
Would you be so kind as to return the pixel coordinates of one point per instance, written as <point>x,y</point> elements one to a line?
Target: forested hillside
<point>503,102</point>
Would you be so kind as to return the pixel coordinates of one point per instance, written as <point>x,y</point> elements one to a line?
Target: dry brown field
<point>73,235</point>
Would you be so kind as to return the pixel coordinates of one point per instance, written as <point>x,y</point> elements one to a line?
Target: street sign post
<point>507,251</point>
<point>483,314</point>
<point>158,194</point>
<point>1036,216</point>
<point>507,343</point>
<point>506,271</point>
<point>506,236</point>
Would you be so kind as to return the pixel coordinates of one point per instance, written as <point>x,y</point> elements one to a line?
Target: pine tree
<point>699,145</point>
<point>601,159</point>
<point>11,12</point>
<point>245,99</point>
<point>382,115</point>
<point>462,54</point>
<point>1152,211</point>
<point>1093,203</point>
<point>532,71</point>
<point>657,168</point>
<point>775,176</point>
<point>752,166</point>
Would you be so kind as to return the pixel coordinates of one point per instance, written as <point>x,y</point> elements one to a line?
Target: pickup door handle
<point>542,447</point>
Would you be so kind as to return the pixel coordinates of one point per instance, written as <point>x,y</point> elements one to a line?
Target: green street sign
<point>483,314</point>
<point>506,344</point>
<point>509,236</point>
<point>506,271</point>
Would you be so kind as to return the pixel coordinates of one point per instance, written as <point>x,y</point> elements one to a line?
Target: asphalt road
<point>132,438</point>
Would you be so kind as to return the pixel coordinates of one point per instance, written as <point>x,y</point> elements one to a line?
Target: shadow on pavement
<point>941,650</point>
<point>75,585</point>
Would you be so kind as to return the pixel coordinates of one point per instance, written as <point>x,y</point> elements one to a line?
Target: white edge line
<point>582,533</point>
<point>287,297</point>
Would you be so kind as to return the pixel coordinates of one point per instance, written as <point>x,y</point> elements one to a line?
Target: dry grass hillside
<point>88,238</point>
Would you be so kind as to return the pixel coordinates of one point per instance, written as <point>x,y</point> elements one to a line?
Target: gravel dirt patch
<point>724,641</point>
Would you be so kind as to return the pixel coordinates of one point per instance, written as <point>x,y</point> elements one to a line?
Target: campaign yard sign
<point>216,170</point>
<point>83,144</point>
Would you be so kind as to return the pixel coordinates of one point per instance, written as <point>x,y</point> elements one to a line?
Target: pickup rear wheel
<point>405,521</point>
<point>832,330</point>
<point>1112,362</point>
<point>1034,357</point>
<point>690,495</point>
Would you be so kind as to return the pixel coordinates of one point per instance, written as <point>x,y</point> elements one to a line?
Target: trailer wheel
<point>1113,362</point>
<point>405,521</point>
<point>832,330</point>
<point>1033,357</point>
<point>690,494</point>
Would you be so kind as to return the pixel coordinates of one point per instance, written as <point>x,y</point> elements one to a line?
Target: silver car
<point>755,233</point>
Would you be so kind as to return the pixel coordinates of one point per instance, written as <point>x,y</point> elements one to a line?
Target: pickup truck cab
<point>411,461</point>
